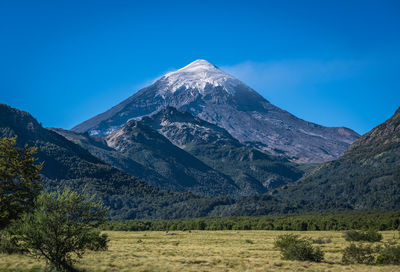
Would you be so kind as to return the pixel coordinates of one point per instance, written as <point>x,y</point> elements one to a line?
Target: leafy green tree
<point>19,180</point>
<point>63,226</point>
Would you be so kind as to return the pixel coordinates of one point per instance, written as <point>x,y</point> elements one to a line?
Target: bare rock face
<point>175,150</point>
<point>144,153</point>
<point>182,171</point>
<point>214,96</point>
<point>252,170</point>
<point>182,128</point>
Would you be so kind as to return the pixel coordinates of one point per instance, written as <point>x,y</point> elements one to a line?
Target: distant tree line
<point>389,220</point>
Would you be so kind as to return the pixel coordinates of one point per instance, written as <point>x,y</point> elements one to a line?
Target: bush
<point>62,226</point>
<point>360,254</point>
<point>365,236</point>
<point>293,247</point>
<point>97,241</point>
<point>390,254</point>
<point>9,244</point>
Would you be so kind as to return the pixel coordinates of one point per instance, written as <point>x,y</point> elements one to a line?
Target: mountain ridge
<point>366,177</point>
<point>252,170</point>
<point>68,164</point>
<point>216,97</point>
<point>154,151</point>
<point>370,167</point>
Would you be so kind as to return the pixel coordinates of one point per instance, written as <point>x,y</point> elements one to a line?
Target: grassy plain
<point>201,251</point>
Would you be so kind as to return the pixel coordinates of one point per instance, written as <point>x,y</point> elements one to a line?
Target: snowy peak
<point>195,77</point>
<point>199,64</point>
<point>207,92</point>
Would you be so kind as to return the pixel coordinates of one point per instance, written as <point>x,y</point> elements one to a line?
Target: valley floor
<point>201,251</point>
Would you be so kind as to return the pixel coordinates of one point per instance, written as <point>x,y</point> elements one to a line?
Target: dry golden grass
<point>201,251</point>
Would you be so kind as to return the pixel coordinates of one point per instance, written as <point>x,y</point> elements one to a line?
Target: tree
<point>19,180</point>
<point>62,226</point>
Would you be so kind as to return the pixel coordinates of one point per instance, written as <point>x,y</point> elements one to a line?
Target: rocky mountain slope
<point>68,164</point>
<point>182,171</point>
<point>146,154</point>
<point>180,152</point>
<point>253,171</point>
<point>98,147</point>
<point>366,177</point>
<point>214,96</point>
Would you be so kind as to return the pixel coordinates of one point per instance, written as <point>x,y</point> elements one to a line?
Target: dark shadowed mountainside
<point>68,164</point>
<point>253,171</point>
<point>146,154</point>
<point>366,177</point>
<point>182,170</point>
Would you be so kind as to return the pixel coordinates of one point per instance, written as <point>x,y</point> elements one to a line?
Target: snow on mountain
<point>196,76</point>
<point>207,92</point>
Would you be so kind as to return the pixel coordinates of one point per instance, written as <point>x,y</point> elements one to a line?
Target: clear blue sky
<point>336,63</point>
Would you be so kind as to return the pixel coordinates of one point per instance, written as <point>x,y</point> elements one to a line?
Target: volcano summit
<point>209,93</point>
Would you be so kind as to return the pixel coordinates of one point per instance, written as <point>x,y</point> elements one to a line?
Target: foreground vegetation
<point>206,251</point>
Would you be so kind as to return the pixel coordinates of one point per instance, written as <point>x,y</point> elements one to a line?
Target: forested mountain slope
<point>366,177</point>
<point>68,164</point>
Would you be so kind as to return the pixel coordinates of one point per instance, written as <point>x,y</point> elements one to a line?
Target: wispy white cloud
<point>288,76</point>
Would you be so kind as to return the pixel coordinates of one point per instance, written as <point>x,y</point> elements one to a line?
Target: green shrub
<point>62,227</point>
<point>97,241</point>
<point>365,236</point>
<point>9,244</point>
<point>293,247</point>
<point>360,254</point>
<point>390,254</point>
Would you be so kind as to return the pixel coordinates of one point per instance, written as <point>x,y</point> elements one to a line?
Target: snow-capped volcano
<point>217,97</point>
<point>196,76</point>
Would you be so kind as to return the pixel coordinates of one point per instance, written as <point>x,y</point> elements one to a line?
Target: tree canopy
<point>19,180</point>
<point>62,226</point>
